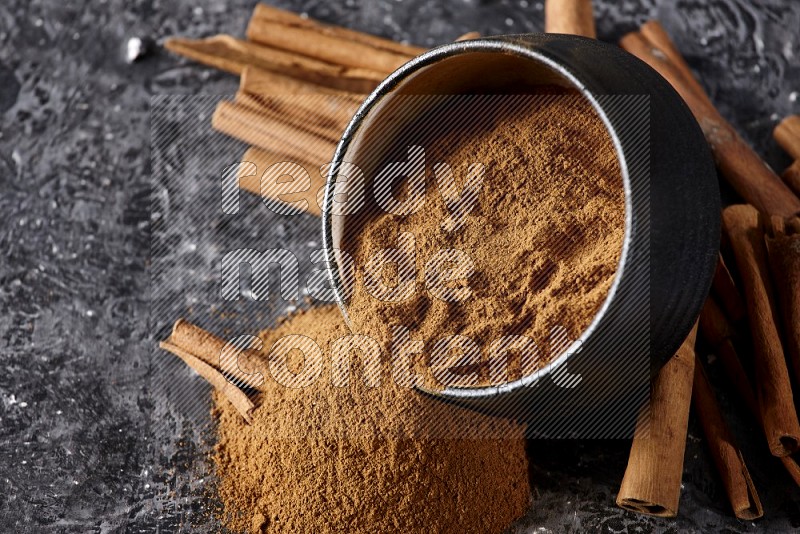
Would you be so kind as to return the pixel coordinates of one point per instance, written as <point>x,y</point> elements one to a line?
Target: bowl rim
<point>505,44</point>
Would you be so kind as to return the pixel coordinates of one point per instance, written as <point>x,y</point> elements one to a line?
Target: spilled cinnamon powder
<point>363,459</point>
<point>544,236</point>
<point>369,453</point>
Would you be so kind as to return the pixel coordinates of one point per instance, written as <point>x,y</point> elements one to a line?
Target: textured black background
<point>89,440</point>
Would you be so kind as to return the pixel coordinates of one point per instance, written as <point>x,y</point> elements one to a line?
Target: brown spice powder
<point>363,459</point>
<point>545,238</point>
<point>545,235</point>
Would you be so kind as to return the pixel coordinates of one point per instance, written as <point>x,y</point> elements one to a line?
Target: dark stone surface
<point>98,432</point>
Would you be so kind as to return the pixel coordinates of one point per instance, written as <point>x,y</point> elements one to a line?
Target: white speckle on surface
<point>759,43</point>
<point>509,21</point>
<point>198,11</point>
<point>134,49</point>
<point>523,3</point>
<point>38,23</point>
<point>24,462</point>
<point>76,36</point>
<point>788,49</point>
<point>756,68</point>
<point>59,412</point>
<point>23,404</point>
<point>793,96</point>
<point>703,41</point>
<point>89,313</point>
<point>75,482</point>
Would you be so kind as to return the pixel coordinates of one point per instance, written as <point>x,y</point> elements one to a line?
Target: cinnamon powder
<point>360,459</point>
<point>545,235</point>
<point>545,238</point>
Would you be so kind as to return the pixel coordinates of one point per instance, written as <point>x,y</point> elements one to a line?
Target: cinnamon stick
<point>469,35</point>
<point>718,333</point>
<point>236,396</point>
<point>725,290</point>
<point>740,165</point>
<point>263,82</point>
<point>322,114</point>
<point>655,33</point>
<point>652,481</point>
<point>256,128</point>
<point>726,454</point>
<point>263,12</point>
<point>792,176</point>
<point>256,161</point>
<point>232,55</point>
<point>196,348</point>
<point>773,388</point>
<point>787,134</point>
<point>243,367</point>
<point>783,248</point>
<point>569,16</point>
<point>308,41</point>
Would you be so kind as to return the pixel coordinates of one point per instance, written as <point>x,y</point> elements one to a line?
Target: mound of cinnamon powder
<point>353,458</point>
<point>545,234</point>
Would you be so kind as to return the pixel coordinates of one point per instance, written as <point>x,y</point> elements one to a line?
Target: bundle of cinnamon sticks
<point>753,307</point>
<point>301,81</point>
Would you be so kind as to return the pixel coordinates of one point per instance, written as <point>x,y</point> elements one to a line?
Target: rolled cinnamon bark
<point>773,388</point>
<point>236,396</point>
<point>207,355</point>
<point>262,82</point>
<point>232,55</point>
<point>652,481</point>
<point>321,114</point>
<point>739,164</point>
<point>469,35</point>
<point>783,247</point>
<point>718,333</point>
<point>242,367</point>
<point>255,163</point>
<point>792,176</point>
<point>264,12</point>
<point>787,134</point>
<point>716,330</point>
<point>295,143</point>
<point>727,457</point>
<point>655,33</point>
<point>569,16</point>
<point>307,41</point>
<point>725,290</point>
